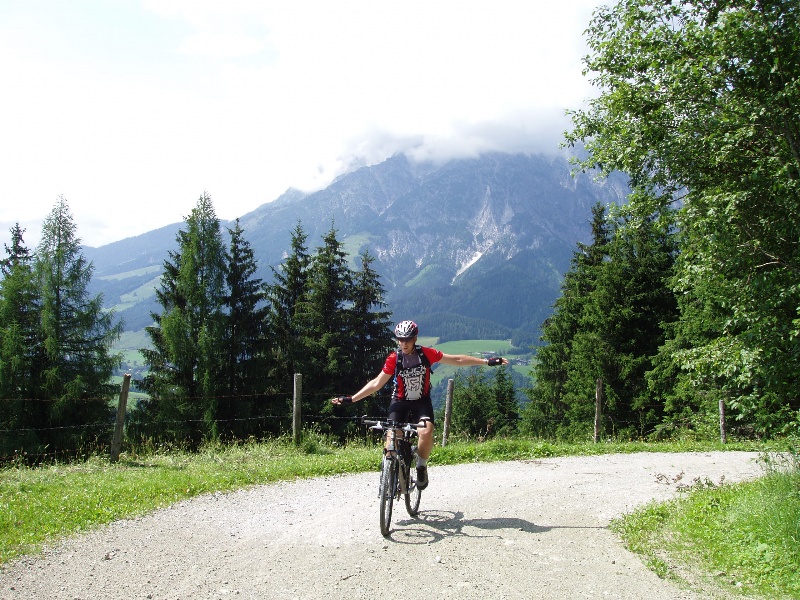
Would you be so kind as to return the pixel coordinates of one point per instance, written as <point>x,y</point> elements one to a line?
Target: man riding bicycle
<point>410,366</point>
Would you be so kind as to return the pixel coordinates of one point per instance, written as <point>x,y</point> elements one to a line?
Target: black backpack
<point>423,360</point>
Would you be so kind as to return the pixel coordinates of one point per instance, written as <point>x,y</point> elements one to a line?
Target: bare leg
<point>425,444</point>
<point>390,437</point>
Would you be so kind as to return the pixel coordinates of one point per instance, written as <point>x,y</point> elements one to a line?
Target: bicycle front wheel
<point>387,491</point>
<point>413,493</point>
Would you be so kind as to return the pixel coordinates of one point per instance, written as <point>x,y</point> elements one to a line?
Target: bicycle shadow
<point>435,526</point>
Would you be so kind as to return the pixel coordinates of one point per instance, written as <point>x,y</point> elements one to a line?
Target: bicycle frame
<point>397,475</point>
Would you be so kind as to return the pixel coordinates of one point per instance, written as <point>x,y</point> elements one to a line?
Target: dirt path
<point>533,529</point>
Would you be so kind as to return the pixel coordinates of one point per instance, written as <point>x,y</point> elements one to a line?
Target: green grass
<point>136,273</point>
<point>475,347</point>
<point>40,505</point>
<point>472,348</point>
<point>746,535</point>
<point>129,345</point>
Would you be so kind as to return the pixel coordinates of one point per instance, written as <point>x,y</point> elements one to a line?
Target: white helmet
<point>406,330</point>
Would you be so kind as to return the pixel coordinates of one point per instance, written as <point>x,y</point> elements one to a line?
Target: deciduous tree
<point>699,101</point>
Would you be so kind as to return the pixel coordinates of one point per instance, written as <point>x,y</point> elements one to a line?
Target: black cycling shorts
<point>411,411</point>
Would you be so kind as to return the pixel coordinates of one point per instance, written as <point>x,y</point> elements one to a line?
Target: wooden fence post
<point>297,423</point>
<point>598,408</point>
<point>723,430</point>
<point>122,407</point>
<point>448,411</point>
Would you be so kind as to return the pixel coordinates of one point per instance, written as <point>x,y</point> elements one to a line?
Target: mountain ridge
<point>485,238</point>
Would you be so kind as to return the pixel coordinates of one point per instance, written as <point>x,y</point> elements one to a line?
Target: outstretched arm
<point>370,388</point>
<point>463,360</point>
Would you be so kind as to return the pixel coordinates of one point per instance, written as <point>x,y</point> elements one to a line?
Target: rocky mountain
<point>471,245</point>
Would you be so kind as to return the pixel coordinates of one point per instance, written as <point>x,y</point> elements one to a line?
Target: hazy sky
<point>131,109</point>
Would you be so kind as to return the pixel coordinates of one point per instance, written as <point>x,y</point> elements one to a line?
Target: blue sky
<point>132,109</point>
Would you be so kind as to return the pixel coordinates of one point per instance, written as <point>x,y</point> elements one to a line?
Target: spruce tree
<point>324,314</point>
<point>186,360</point>
<point>22,408</point>
<point>474,404</point>
<point>547,413</point>
<point>370,324</point>
<point>505,401</point>
<point>285,296</point>
<point>621,328</point>
<point>245,372</point>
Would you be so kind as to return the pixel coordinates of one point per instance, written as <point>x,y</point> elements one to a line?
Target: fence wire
<point>97,436</point>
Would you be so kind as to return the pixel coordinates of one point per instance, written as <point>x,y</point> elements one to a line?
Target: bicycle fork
<point>403,475</point>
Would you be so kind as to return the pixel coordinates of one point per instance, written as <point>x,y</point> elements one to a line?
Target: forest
<point>685,303</point>
<point>687,300</point>
<point>224,345</point>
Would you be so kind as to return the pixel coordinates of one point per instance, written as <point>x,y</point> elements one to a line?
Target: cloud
<point>221,44</point>
<point>132,111</point>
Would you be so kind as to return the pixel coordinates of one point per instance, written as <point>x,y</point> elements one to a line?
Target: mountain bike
<point>398,469</point>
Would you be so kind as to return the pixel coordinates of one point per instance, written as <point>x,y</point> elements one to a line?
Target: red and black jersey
<point>412,372</point>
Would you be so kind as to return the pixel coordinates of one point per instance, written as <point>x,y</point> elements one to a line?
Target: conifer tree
<point>285,296</point>
<point>621,328</point>
<point>22,409</point>
<point>546,413</point>
<point>370,323</point>
<point>186,360</point>
<point>324,314</point>
<point>245,372</point>
<point>474,404</point>
<point>77,335</point>
<point>505,401</point>
<point>369,337</point>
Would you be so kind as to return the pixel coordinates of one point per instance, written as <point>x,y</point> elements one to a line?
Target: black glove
<point>494,361</point>
<point>345,400</point>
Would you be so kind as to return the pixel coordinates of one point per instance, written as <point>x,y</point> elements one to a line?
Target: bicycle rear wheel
<point>413,493</point>
<point>387,491</point>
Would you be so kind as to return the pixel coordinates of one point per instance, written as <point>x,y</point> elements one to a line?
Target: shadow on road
<point>434,526</point>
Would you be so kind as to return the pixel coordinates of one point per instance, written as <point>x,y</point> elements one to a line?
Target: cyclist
<point>410,366</point>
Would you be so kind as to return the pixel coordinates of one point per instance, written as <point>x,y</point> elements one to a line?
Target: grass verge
<point>41,505</point>
<point>741,538</point>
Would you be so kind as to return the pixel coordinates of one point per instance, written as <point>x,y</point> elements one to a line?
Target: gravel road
<point>527,529</point>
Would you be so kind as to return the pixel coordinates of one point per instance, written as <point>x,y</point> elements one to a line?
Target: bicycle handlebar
<point>388,424</point>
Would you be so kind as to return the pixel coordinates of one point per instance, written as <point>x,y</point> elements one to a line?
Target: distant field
<point>128,345</point>
<point>136,273</point>
<point>473,348</point>
<point>143,292</point>
<point>131,341</point>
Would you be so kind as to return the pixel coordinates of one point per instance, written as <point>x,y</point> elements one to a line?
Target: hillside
<point>470,245</point>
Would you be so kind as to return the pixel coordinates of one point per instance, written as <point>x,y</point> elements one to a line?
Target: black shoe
<point>422,477</point>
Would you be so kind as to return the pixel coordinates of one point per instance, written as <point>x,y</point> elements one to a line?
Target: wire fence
<point>269,415</point>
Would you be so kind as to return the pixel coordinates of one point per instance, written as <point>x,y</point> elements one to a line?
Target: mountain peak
<point>484,238</point>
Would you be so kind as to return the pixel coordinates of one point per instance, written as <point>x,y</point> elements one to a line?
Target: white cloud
<point>133,118</point>
<point>221,44</point>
